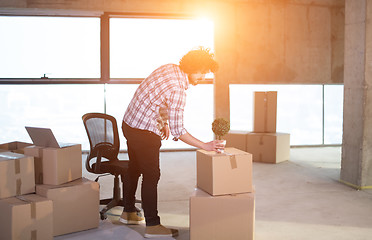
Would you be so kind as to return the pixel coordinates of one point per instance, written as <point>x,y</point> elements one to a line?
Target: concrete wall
<point>256,41</point>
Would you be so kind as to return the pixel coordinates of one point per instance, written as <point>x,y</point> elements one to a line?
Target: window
<point>333,113</point>
<point>139,46</point>
<point>58,47</point>
<point>299,111</point>
<point>69,47</point>
<point>59,107</point>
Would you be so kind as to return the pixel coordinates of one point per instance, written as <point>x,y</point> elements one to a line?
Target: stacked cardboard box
<point>75,205</point>
<point>15,146</point>
<point>24,215</point>
<point>222,206</point>
<point>58,174</point>
<point>55,166</point>
<point>16,174</point>
<point>264,142</point>
<point>68,202</point>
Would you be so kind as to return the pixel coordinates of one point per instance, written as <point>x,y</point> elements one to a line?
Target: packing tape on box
<point>261,142</point>
<point>17,166</point>
<point>34,235</point>
<point>33,214</point>
<point>233,162</point>
<point>33,206</point>
<point>265,111</point>
<point>18,186</point>
<point>17,170</point>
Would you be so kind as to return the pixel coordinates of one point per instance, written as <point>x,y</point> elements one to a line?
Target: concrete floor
<point>297,199</point>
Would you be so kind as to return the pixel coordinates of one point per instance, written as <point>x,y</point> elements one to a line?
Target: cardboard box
<point>26,217</point>
<point>15,146</point>
<point>37,153</point>
<point>264,116</point>
<point>75,205</point>
<point>269,147</point>
<point>222,217</point>
<point>17,175</point>
<point>224,173</point>
<point>55,166</point>
<point>236,139</point>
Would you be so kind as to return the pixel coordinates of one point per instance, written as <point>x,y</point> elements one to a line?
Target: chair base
<point>111,203</point>
<point>115,201</point>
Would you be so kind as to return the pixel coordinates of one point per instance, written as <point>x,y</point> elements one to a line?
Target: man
<point>155,112</point>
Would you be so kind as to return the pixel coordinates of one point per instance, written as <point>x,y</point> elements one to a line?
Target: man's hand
<point>165,132</point>
<point>216,145</point>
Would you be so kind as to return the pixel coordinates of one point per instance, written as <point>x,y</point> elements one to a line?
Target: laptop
<point>44,137</point>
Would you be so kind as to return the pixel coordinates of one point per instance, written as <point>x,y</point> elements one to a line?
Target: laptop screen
<point>42,137</point>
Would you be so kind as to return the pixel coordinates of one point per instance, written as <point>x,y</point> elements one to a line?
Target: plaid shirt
<point>161,97</point>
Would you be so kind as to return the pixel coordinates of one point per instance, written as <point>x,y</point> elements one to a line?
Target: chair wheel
<point>103,216</point>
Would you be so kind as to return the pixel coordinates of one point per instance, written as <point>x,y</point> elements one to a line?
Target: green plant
<point>220,127</point>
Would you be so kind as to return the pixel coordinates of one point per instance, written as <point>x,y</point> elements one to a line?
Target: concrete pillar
<point>225,49</point>
<point>356,164</point>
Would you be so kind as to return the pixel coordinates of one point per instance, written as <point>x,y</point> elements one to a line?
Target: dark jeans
<point>143,151</point>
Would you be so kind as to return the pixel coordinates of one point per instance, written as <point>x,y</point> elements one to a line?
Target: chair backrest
<point>103,137</point>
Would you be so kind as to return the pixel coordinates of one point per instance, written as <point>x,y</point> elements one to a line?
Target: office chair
<point>104,143</point>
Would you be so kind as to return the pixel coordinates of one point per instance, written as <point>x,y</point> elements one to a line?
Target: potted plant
<point>221,127</point>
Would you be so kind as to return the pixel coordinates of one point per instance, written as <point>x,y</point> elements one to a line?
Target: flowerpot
<point>222,143</point>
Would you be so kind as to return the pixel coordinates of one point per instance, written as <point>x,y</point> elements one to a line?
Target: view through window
<point>69,47</point>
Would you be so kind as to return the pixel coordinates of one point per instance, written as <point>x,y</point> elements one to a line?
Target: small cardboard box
<point>37,153</point>
<point>55,166</point>
<point>222,217</point>
<point>75,205</point>
<point>224,173</point>
<point>236,139</point>
<point>264,116</point>
<point>17,175</point>
<point>26,217</point>
<point>269,147</point>
<point>15,146</point>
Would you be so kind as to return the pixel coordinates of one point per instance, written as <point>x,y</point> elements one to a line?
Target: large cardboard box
<point>15,146</point>
<point>17,175</point>
<point>75,205</point>
<point>236,139</point>
<point>55,166</point>
<point>269,147</point>
<point>222,217</point>
<point>224,173</point>
<point>264,116</point>
<point>26,217</point>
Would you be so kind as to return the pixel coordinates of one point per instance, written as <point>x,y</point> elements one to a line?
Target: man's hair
<point>198,60</point>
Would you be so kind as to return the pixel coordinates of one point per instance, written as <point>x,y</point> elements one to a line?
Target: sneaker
<point>130,218</point>
<point>160,231</point>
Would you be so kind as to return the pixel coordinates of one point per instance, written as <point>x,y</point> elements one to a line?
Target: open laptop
<point>44,137</point>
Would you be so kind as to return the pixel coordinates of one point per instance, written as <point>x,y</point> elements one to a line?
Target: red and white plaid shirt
<point>161,97</point>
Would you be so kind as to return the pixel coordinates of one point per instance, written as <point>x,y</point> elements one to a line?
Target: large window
<point>138,46</point>
<point>299,111</point>
<point>59,107</point>
<point>58,47</point>
<point>69,48</point>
